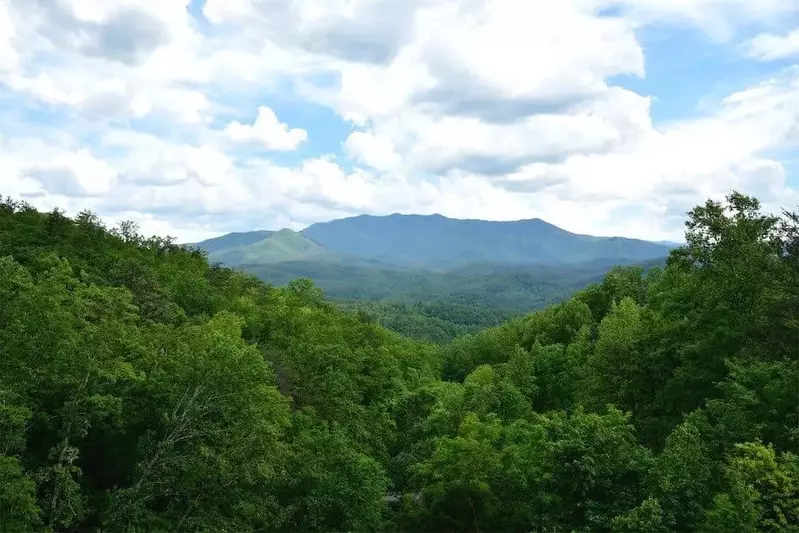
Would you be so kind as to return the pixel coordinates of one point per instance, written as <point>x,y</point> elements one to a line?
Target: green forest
<point>143,389</point>
<point>440,306</point>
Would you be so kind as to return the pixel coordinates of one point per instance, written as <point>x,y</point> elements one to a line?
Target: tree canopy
<point>144,389</point>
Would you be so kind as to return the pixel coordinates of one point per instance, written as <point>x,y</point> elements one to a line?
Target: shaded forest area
<point>142,389</point>
<point>439,306</point>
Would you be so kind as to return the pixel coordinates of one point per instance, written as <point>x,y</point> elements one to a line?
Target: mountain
<point>435,241</point>
<point>276,247</point>
<point>232,240</point>
<point>452,276</point>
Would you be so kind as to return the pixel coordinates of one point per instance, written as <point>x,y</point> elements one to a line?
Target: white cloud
<point>500,60</point>
<point>495,108</point>
<point>720,19</point>
<point>119,60</point>
<point>361,30</point>
<point>77,174</point>
<point>51,171</point>
<point>8,54</point>
<point>770,47</point>
<point>220,12</point>
<point>267,131</point>
<point>373,151</point>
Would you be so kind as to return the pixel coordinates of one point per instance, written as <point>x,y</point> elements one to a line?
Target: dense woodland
<point>142,389</point>
<point>439,306</point>
<point>434,321</point>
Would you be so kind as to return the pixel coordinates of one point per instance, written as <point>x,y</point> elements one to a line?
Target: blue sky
<point>609,117</point>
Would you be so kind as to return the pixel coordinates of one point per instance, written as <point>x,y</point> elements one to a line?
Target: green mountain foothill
<point>274,247</point>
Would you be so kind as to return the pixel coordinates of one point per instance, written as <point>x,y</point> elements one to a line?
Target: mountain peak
<point>438,216</point>
<point>441,241</point>
<point>434,241</point>
<point>233,240</point>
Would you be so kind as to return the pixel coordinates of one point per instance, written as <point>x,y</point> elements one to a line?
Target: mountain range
<point>432,277</point>
<point>427,241</point>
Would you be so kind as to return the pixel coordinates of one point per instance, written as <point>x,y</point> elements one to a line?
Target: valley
<point>431,277</point>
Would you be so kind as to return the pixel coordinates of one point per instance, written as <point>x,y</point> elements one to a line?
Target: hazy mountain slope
<point>283,245</point>
<point>436,240</point>
<point>430,241</point>
<point>233,240</point>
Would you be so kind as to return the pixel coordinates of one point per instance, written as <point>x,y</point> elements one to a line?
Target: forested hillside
<point>142,389</point>
<point>276,247</point>
<point>439,306</point>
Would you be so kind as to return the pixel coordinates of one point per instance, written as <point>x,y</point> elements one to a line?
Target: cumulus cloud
<point>493,109</point>
<point>8,53</point>
<point>771,47</point>
<point>720,19</point>
<point>370,31</point>
<point>124,31</point>
<point>124,59</point>
<point>73,174</point>
<point>373,151</point>
<point>267,131</point>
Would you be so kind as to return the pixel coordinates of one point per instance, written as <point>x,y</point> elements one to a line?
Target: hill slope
<point>278,246</point>
<point>517,288</point>
<point>233,240</point>
<point>441,305</point>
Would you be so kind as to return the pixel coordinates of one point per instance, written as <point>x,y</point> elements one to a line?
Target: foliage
<point>434,305</point>
<point>143,389</point>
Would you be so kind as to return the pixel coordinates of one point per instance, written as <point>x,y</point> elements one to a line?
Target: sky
<point>197,118</point>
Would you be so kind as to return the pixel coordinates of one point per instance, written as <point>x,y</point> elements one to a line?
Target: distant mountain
<point>276,247</point>
<point>435,240</point>
<point>467,273</point>
<point>232,240</point>
<point>430,241</point>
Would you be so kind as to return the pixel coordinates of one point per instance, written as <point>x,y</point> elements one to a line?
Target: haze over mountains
<point>427,241</point>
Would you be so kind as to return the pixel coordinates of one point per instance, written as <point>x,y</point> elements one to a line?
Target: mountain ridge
<point>429,241</point>
<point>277,246</point>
